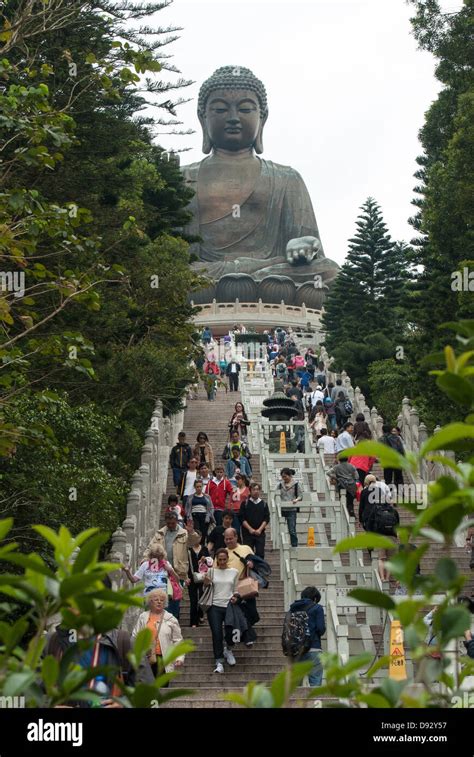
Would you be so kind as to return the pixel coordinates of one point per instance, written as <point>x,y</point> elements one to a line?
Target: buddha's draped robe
<point>276,210</point>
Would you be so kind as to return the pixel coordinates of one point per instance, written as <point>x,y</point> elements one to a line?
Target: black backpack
<point>394,442</point>
<point>295,638</point>
<point>385,518</point>
<point>348,407</point>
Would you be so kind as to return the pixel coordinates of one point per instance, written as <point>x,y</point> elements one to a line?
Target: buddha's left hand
<point>302,250</point>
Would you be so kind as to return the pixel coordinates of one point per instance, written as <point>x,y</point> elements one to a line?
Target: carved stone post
<point>146,501</point>
<point>131,548</point>
<point>414,426</point>
<point>137,491</point>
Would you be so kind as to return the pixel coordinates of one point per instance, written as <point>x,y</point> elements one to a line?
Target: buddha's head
<point>232,110</point>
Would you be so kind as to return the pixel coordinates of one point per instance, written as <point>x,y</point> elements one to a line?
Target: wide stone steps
<point>265,659</point>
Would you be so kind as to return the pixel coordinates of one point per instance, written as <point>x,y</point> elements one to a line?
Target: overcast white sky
<point>347,90</point>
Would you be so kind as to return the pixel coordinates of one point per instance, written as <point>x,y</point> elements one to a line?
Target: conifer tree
<point>364,309</point>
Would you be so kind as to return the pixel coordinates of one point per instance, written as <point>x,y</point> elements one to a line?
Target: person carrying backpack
<point>344,475</point>
<point>392,439</point>
<point>343,409</point>
<point>330,410</point>
<point>303,627</point>
<point>281,370</point>
<point>383,520</point>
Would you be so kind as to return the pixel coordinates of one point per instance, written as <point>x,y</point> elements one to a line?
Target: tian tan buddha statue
<point>259,233</point>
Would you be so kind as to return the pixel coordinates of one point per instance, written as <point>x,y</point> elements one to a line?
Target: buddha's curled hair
<point>233,77</point>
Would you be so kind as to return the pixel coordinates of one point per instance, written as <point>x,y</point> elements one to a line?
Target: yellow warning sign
<point>282,443</point>
<point>311,540</point>
<point>397,668</point>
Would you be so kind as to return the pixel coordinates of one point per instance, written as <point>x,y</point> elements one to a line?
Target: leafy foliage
<point>71,588</point>
<point>90,212</point>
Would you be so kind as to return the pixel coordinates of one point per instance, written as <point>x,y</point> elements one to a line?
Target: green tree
<point>444,219</point>
<point>389,382</point>
<point>90,212</point>
<point>364,309</point>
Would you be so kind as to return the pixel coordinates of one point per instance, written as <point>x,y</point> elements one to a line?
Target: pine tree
<point>364,309</point>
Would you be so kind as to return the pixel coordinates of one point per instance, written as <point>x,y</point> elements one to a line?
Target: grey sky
<point>347,90</point>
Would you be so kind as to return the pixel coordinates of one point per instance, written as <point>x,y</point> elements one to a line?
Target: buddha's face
<point>232,118</point>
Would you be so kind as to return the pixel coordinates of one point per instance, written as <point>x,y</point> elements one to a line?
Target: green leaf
<point>76,583</point>
<point>449,437</point>
<point>5,526</point>
<point>47,533</point>
<point>373,598</point>
<point>284,684</point>
<point>376,701</point>
<point>458,389</point>
<point>12,634</point>
<point>50,671</point>
<point>387,456</point>
<point>182,648</point>
<point>403,565</point>
<point>84,535</point>
<point>145,694</point>
<point>17,684</point>
<point>408,609</point>
<point>446,571</point>
<point>132,598</point>
<point>382,662</point>
<point>452,623</point>
<point>438,509</point>
<point>106,619</point>
<point>142,644</point>
<point>32,562</point>
<point>391,690</point>
<point>360,661</point>
<point>364,541</point>
<point>34,652</point>
<point>88,554</point>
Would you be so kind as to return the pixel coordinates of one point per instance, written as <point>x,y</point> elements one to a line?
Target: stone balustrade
<point>266,315</point>
<point>146,492</point>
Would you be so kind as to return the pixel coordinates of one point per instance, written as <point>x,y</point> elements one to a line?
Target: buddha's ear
<point>259,138</point>
<point>206,140</point>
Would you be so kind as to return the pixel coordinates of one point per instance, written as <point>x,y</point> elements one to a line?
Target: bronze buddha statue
<point>259,233</point>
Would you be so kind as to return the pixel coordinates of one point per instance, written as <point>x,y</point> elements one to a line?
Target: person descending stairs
<point>264,659</point>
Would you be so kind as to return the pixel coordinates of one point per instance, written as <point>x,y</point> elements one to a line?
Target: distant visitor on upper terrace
<point>259,233</point>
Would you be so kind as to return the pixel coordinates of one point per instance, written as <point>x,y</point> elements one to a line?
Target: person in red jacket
<point>363,465</point>
<point>220,493</point>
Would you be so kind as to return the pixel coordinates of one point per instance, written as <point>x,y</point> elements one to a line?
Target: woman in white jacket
<point>164,627</point>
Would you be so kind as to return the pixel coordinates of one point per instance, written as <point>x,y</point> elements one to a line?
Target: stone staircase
<point>263,661</point>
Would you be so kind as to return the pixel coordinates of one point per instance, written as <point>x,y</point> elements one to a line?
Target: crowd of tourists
<point>328,409</point>
<point>213,540</point>
<point>212,544</point>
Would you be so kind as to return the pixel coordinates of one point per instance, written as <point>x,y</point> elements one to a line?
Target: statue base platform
<point>220,316</point>
<point>272,290</point>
